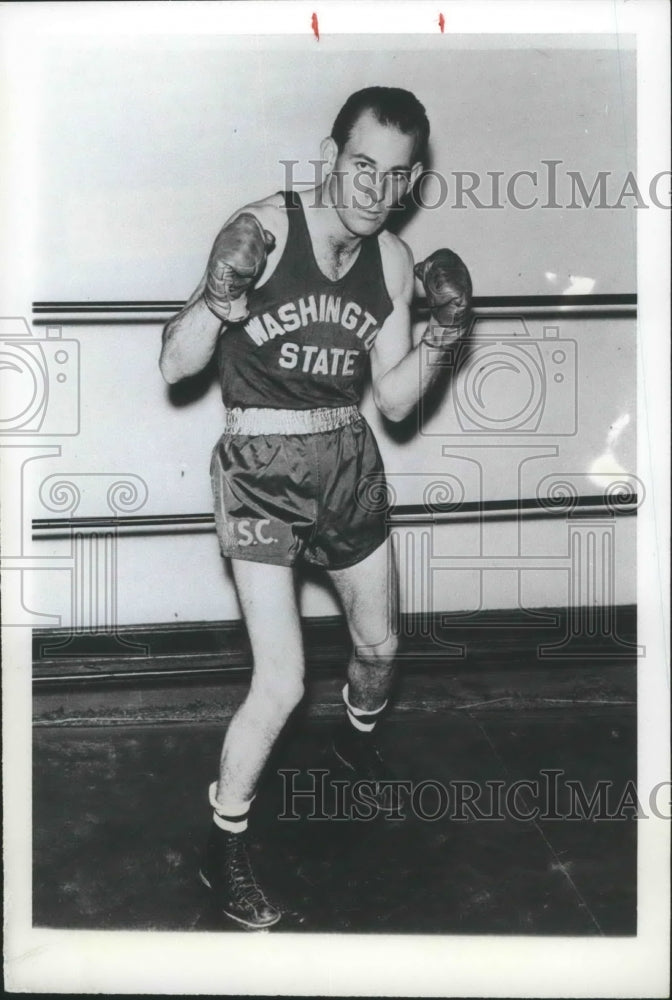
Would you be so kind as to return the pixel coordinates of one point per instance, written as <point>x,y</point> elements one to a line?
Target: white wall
<point>130,427</point>
<point>145,147</point>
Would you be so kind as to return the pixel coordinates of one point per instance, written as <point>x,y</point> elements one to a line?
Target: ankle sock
<point>229,814</point>
<point>364,720</point>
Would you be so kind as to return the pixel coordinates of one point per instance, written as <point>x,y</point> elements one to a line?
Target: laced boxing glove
<point>236,261</point>
<point>447,284</point>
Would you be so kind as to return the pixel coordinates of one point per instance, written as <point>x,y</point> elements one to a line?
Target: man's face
<point>371,174</point>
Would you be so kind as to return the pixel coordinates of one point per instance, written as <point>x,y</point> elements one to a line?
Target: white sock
<point>229,814</point>
<point>361,718</point>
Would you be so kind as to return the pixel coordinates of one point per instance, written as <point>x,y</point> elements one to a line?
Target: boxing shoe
<point>227,871</point>
<point>360,756</point>
<point>236,261</point>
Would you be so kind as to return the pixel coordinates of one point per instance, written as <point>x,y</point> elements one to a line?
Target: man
<point>303,293</point>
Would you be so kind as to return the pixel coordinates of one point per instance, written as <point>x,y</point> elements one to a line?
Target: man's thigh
<point>267,597</point>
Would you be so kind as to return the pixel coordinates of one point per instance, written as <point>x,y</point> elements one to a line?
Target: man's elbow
<point>170,375</point>
<point>396,414</point>
<point>391,408</point>
<point>170,372</point>
<point>167,366</point>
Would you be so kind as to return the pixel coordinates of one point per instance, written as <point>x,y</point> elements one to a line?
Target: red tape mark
<point>315,26</point>
<point>442,22</point>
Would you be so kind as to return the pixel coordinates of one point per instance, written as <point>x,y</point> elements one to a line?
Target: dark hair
<point>391,106</point>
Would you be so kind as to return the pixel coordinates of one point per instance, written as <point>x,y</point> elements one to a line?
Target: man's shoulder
<point>397,261</point>
<point>395,247</point>
<point>269,211</point>
<point>271,214</point>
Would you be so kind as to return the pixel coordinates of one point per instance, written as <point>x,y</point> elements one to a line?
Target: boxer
<point>306,296</point>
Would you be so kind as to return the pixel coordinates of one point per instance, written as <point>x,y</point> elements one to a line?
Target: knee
<point>378,654</point>
<point>277,697</point>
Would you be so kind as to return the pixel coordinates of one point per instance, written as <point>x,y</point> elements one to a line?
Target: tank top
<point>306,341</point>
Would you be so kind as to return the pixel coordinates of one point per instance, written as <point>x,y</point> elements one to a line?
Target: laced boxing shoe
<point>237,259</point>
<point>359,755</point>
<point>227,871</point>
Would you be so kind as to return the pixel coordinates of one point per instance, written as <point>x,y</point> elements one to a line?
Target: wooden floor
<point>120,806</point>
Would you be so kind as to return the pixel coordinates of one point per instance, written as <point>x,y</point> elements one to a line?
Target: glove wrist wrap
<point>439,336</point>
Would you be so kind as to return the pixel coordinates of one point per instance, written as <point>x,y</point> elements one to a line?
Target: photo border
<point>40,960</point>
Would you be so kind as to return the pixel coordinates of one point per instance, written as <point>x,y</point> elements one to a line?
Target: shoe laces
<point>373,760</point>
<point>242,877</point>
<point>367,758</point>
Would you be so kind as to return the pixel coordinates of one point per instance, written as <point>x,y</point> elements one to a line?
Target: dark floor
<point>120,813</point>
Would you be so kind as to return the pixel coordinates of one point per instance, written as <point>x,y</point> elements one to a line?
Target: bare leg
<point>369,594</point>
<point>268,601</point>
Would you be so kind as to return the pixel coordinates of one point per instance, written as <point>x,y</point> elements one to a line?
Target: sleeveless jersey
<point>306,341</point>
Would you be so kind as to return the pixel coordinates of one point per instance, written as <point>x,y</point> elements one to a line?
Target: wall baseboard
<point>198,672</point>
<point>189,649</point>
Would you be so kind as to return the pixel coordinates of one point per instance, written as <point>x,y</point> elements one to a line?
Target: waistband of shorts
<point>258,420</point>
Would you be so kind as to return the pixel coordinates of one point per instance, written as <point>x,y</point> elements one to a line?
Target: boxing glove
<point>447,285</point>
<point>236,261</point>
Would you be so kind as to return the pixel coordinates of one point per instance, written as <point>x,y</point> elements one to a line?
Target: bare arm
<point>190,337</point>
<point>401,371</point>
